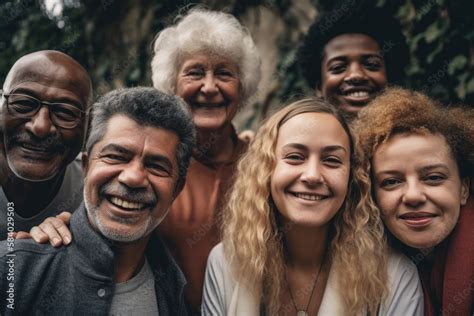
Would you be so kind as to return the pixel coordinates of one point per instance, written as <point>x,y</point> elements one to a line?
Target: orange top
<point>192,227</point>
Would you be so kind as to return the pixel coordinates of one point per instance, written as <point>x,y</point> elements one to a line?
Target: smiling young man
<point>349,59</point>
<point>45,97</point>
<point>137,155</point>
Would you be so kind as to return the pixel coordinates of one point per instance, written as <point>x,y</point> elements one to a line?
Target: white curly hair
<point>212,32</point>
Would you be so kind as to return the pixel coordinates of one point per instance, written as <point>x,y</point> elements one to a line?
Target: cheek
<point>186,89</point>
<point>73,137</point>
<point>12,125</point>
<point>452,213</point>
<point>339,180</point>
<point>386,203</point>
<point>98,176</point>
<point>381,77</point>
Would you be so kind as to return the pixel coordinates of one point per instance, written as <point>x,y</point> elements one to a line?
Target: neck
<point>31,197</point>
<point>305,246</point>
<point>214,145</point>
<point>129,259</point>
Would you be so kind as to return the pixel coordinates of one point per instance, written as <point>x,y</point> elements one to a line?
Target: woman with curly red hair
<point>421,159</point>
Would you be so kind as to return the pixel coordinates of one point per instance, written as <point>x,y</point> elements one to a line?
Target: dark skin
<point>53,77</point>
<point>352,71</point>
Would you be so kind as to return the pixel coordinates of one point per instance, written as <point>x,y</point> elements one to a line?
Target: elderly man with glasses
<point>43,108</point>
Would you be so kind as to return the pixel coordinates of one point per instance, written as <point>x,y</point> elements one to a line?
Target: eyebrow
<point>126,151</point>
<point>32,93</point>
<point>426,169</point>
<point>325,149</point>
<point>295,145</point>
<point>334,148</point>
<point>116,148</point>
<point>344,57</point>
<point>197,64</point>
<point>422,170</point>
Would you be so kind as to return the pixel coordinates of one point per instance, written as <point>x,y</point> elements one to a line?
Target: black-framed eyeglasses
<point>61,114</point>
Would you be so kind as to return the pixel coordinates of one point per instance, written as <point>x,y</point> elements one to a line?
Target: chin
<point>420,243</point>
<point>29,174</point>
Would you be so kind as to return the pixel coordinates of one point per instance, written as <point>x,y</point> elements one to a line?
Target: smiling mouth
<point>35,148</point>
<point>357,94</point>
<point>126,205</point>
<point>208,105</point>
<point>358,97</point>
<point>417,219</point>
<point>417,215</point>
<point>310,197</point>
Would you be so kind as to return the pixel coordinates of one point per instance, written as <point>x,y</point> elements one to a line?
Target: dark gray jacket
<point>78,279</point>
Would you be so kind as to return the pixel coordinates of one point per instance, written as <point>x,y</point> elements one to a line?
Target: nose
<point>356,73</point>
<point>209,85</point>
<point>134,175</point>
<point>414,194</point>
<point>40,125</point>
<point>312,173</point>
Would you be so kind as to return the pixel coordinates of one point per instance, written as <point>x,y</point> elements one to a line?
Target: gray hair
<point>209,32</point>
<point>147,107</point>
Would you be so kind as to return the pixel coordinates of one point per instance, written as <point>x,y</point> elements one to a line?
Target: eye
<point>113,158</point>
<point>332,161</point>
<point>293,157</point>
<point>337,68</point>
<point>195,73</point>
<point>434,178</point>
<point>65,112</point>
<point>373,64</point>
<point>389,183</point>
<point>158,169</point>
<point>22,104</point>
<point>225,73</point>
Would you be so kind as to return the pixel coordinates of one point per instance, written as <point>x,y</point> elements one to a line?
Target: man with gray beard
<point>135,164</point>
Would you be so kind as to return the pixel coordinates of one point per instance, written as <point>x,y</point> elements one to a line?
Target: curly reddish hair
<point>399,111</point>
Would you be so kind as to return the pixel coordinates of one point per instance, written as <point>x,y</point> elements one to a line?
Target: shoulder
<point>27,248</point>
<point>405,295</point>
<point>217,263</point>
<point>398,262</point>
<point>217,254</point>
<point>223,295</point>
<point>28,259</point>
<point>401,271</point>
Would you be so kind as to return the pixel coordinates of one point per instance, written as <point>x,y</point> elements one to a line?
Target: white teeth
<point>310,197</point>
<point>358,94</point>
<point>126,204</point>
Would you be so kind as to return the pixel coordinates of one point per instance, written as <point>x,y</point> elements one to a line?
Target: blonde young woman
<point>301,233</point>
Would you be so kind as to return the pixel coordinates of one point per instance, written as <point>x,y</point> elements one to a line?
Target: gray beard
<point>94,218</point>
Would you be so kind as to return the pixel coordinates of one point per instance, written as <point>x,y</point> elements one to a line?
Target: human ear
<point>465,184</point>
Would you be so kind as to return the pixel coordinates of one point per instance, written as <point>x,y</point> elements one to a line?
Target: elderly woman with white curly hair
<point>211,61</point>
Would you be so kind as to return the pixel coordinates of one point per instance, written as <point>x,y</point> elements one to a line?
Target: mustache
<point>131,194</point>
<point>52,142</point>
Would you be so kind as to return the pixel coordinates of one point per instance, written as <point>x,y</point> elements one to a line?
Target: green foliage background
<point>113,40</point>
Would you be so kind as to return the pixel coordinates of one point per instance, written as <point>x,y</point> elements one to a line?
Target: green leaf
<point>457,63</point>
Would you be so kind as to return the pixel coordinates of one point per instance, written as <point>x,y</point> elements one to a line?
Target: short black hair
<point>346,18</point>
<point>147,107</point>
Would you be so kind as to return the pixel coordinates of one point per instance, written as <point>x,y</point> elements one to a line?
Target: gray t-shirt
<point>68,198</point>
<point>136,296</point>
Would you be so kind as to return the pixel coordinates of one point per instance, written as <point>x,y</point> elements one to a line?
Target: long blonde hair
<point>253,242</point>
